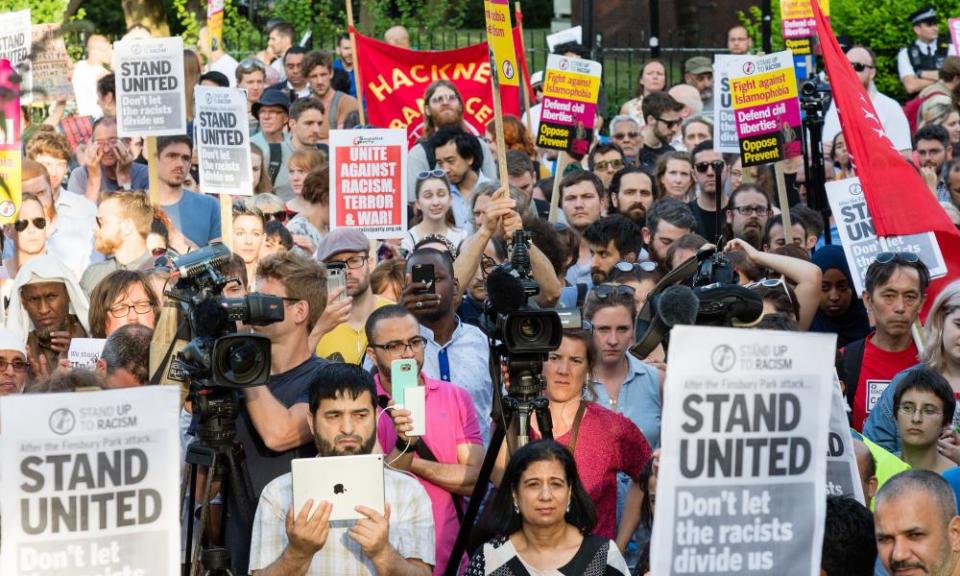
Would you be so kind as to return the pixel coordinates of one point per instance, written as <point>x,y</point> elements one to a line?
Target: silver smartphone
<point>337,278</point>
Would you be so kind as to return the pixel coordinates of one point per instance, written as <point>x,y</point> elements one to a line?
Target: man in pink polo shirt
<point>447,458</point>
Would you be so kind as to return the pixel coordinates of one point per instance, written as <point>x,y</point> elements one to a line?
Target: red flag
<point>897,196</point>
<point>394,80</point>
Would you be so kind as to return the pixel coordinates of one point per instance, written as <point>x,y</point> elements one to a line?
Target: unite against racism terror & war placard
<point>150,95</point>
<point>743,468</point>
<point>569,108</point>
<point>90,483</point>
<point>368,180</point>
<point>222,137</point>
<point>767,109</point>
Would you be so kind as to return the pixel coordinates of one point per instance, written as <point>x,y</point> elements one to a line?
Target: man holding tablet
<point>285,541</point>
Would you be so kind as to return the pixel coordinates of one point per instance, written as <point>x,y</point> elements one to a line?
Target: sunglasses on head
<point>906,257</point>
<point>702,167</point>
<point>38,223</point>
<point>249,64</point>
<point>772,283</point>
<point>646,266</point>
<point>280,216</point>
<point>605,291</point>
<point>431,174</point>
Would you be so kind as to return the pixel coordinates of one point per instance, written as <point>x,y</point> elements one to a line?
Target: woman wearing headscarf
<point>841,311</point>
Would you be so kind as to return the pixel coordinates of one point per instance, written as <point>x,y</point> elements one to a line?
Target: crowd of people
<point>89,256</point>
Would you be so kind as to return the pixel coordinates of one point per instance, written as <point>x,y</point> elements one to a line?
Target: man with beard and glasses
<point>106,164</point>
<point>346,341</point>
<point>631,193</point>
<point>611,239</point>
<point>197,216</point>
<point>123,224</point>
<point>747,213</point>
<point>933,150</point>
<point>447,458</point>
<point>917,527</point>
<point>442,106</point>
<point>285,541</point>
<point>13,361</point>
<point>662,115</point>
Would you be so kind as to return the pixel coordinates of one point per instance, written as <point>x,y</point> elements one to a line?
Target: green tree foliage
<point>41,11</point>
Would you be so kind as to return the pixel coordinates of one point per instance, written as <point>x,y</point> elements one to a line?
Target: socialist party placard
<point>150,94</point>
<point>222,137</point>
<point>90,483</point>
<point>743,466</point>
<point>859,239</point>
<point>367,182</point>
<point>766,108</point>
<point>571,87</point>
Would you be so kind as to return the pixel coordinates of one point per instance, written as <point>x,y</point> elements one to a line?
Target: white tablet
<point>344,481</point>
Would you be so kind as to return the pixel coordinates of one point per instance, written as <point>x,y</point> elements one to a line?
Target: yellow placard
<point>763,88</point>
<point>10,187</point>
<point>500,40</point>
<point>797,9</point>
<point>215,23</point>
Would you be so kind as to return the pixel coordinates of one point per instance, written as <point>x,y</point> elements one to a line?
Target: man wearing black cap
<point>919,62</point>
<point>272,112</point>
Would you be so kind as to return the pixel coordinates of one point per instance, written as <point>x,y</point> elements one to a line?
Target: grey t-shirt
<point>139,180</point>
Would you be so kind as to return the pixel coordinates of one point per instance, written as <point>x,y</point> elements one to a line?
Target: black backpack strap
<point>276,160</point>
<point>852,362</point>
<point>429,152</point>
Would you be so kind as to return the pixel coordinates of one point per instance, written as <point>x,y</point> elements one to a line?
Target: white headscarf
<point>10,340</point>
<point>45,268</point>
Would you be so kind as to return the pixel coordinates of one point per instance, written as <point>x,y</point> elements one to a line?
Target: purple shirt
<point>451,421</point>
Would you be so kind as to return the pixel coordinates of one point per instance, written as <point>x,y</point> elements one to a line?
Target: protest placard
<point>798,25</point>
<point>859,239</point>
<point>742,481</point>
<point>571,87</point>
<point>90,483</point>
<point>368,182</point>
<point>215,23</point>
<point>767,109</point>
<point>51,65</point>
<point>953,24</point>
<point>222,136</point>
<point>843,475</point>
<point>16,40</point>
<point>84,352</point>
<point>150,94</point>
<point>724,121</point>
<point>500,39</point>
<point>10,153</point>
<point>574,34</point>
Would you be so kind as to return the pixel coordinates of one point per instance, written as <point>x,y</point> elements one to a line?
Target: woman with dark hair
<point>841,311</point>
<point>652,78</point>
<point>541,519</point>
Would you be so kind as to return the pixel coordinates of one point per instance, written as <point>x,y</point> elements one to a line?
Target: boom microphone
<point>214,255</point>
<point>505,290</point>
<point>677,305</point>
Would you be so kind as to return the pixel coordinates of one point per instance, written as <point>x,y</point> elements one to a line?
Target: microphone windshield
<point>678,305</point>
<point>505,289</point>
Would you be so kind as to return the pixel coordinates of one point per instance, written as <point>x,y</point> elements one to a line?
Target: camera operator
<point>273,423</point>
<point>455,351</point>
<point>447,458</point>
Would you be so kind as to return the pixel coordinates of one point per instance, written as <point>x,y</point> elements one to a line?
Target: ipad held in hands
<point>344,481</point>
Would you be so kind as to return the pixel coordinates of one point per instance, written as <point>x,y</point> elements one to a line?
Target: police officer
<point>918,63</point>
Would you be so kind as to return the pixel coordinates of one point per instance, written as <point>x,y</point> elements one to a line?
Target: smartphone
<point>337,278</point>
<point>403,375</point>
<point>424,273</point>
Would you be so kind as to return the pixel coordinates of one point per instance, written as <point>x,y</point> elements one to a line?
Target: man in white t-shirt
<point>87,72</point>
<point>216,59</point>
<point>889,112</point>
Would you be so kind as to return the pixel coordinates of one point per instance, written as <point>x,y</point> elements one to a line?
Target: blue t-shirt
<point>197,216</point>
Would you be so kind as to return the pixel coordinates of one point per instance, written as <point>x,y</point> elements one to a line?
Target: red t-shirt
<point>877,370</point>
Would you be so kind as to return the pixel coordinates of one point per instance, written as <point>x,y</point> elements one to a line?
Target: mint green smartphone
<point>403,375</point>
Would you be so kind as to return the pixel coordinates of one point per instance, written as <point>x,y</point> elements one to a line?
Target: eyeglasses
<point>415,344</point>
<point>250,64</point>
<point>38,223</point>
<point>353,262</point>
<point>860,66</point>
<point>487,264</point>
<point>669,123</point>
<point>702,167</point>
<point>18,365</point>
<point>431,174</point>
<point>605,164</point>
<point>926,411</point>
<point>646,266</point>
<point>443,98</point>
<point>750,210</point>
<point>123,310</point>
<point>280,216</point>
<point>772,283</point>
<point>622,135</point>
<point>888,257</point>
<point>605,291</point>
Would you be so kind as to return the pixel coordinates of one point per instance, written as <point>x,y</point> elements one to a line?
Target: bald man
<point>397,36</point>
<point>88,71</point>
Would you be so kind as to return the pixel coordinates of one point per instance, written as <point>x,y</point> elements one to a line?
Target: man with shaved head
<point>397,36</point>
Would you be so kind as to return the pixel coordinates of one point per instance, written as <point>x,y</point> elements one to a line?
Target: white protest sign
<point>574,34</point>
<point>84,352</point>
<point>91,483</point>
<point>222,136</point>
<point>150,95</point>
<point>724,120</point>
<point>843,475</point>
<point>368,177</point>
<point>16,40</point>
<point>742,481</point>
<point>51,64</point>
<point>859,239</point>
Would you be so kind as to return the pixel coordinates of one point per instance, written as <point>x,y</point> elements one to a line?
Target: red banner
<point>394,80</point>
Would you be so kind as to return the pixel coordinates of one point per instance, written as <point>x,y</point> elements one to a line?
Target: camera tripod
<point>216,450</point>
<point>514,409</point>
